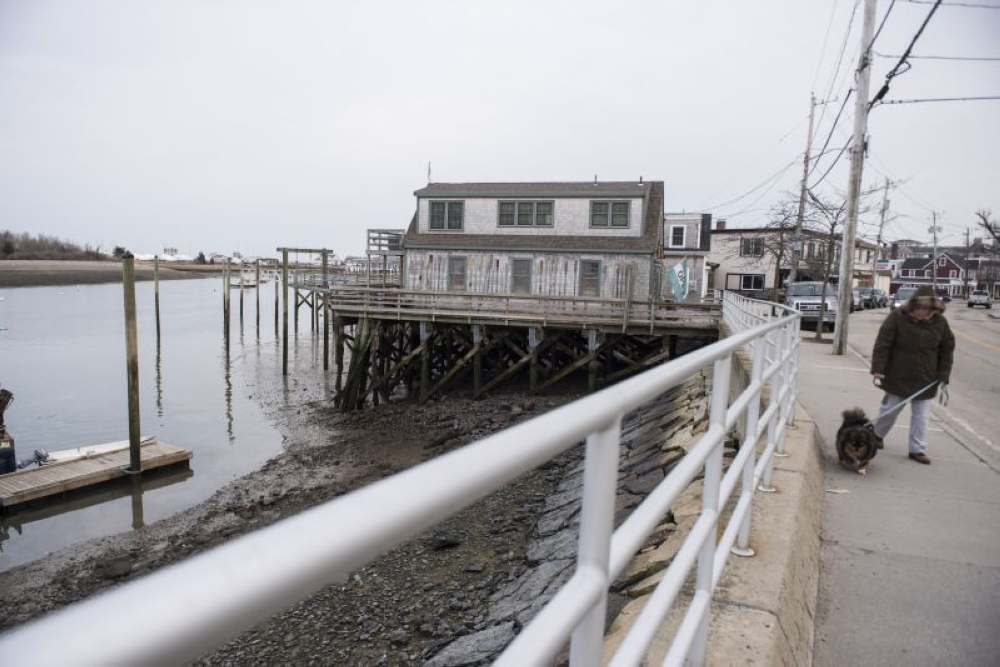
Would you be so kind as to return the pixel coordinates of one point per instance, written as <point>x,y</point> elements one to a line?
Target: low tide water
<point>62,354</point>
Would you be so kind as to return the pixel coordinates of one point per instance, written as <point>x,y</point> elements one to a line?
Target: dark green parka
<point>912,353</point>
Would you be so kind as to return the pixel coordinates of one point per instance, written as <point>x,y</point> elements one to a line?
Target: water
<point>62,354</point>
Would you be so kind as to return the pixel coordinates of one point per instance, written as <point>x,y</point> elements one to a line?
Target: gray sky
<point>227,126</point>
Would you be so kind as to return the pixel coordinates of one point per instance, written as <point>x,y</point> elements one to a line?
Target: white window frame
<point>455,262</point>
<point>536,219</point>
<point>752,246</point>
<point>516,286</point>
<point>673,229</point>
<point>613,212</point>
<point>754,278</point>
<point>583,288</point>
<point>446,224</point>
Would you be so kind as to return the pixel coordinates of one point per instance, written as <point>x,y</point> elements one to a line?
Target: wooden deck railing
<point>523,309</point>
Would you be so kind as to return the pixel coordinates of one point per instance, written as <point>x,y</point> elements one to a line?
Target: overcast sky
<point>224,126</point>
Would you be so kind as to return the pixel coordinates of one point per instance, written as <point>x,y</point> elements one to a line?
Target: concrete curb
<point>764,607</point>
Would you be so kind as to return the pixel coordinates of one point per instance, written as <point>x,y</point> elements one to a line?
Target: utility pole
<point>797,235</point>
<point>934,230</point>
<point>965,273</point>
<point>881,225</point>
<point>846,281</point>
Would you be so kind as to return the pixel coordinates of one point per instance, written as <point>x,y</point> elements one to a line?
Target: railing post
<point>750,439</point>
<point>704,582</point>
<point>774,390</point>
<point>600,486</point>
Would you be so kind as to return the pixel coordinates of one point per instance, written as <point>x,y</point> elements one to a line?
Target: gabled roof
<point>927,262</point>
<point>567,189</point>
<point>647,243</point>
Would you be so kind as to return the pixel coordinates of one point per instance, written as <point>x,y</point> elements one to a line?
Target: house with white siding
<point>564,239</point>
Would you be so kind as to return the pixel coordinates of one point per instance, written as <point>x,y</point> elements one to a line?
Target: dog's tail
<point>854,416</point>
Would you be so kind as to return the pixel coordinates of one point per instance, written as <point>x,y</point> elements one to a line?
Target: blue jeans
<point>920,412</point>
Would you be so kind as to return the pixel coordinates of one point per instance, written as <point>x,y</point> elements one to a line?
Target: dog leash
<point>943,398</point>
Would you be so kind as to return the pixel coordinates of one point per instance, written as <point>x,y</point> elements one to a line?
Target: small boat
<point>246,278</point>
<point>43,458</point>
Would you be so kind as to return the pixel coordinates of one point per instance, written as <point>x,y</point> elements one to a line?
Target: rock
<point>473,648</point>
<point>113,568</point>
<point>440,541</point>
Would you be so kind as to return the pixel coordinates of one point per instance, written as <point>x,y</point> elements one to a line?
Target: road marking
<point>973,339</point>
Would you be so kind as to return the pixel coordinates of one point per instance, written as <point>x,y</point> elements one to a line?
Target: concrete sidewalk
<point>910,553</point>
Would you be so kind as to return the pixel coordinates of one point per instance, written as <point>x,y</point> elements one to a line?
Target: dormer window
<point>447,216</point>
<point>609,214</point>
<point>524,214</point>
<point>677,234</point>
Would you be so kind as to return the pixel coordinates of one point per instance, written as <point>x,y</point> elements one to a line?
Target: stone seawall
<point>654,438</point>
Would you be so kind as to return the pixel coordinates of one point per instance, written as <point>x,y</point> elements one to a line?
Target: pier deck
<point>47,480</point>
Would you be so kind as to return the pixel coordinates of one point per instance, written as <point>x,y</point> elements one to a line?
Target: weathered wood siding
<point>551,274</point>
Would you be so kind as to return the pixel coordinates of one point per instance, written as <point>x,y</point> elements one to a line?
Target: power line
<point>770,179</point>
<point>826,143</point>
<point>902,61</point>
<point>912,57</point>
<point>943,99</point>
<point>976,5</point>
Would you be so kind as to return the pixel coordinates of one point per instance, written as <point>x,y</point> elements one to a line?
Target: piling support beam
<point>131,362</point>
<point>284,331</point>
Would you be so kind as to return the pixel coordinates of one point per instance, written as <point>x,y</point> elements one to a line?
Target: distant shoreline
<point>38,273</point>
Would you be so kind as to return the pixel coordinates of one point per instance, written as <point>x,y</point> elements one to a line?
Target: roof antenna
<point>640,180</point>
<point>429,173</point>
<point>595,179</point>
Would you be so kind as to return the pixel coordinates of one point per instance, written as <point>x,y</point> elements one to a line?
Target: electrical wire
<point>912,57</point>
<point>943,99</point>
<point>829,136</point>
<point>770,179</point>
<point>974,5</point>
<point>903,61</point>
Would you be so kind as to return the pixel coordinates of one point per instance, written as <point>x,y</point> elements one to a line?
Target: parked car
<point>857,300</point>
<point>807,298</point>
<point>902,294</point>
<point>881,298</point>
<point>980,297</point>
<point>943,294</point>
<point>867,297</point>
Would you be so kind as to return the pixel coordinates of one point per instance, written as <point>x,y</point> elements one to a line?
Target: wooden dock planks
<point>33,483</point>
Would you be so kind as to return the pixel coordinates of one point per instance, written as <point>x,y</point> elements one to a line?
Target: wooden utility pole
<point>847,249</point>
<point>797,235</point>
<point>881,226</point>
<point>131,362</point>
<point>934,233</point>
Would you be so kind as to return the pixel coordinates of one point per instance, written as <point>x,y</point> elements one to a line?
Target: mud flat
<point>35,273</point>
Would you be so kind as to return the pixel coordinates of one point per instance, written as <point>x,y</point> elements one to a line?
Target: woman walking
<point>914,348</point>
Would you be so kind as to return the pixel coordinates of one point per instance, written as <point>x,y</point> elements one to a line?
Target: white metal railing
<point>185,610</point>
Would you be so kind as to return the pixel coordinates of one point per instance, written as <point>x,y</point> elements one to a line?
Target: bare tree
<point>992,227</point>
<point>829,221</point>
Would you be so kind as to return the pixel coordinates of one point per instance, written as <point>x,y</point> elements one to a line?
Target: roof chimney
<point>720,225</point>
<point>640,181</point>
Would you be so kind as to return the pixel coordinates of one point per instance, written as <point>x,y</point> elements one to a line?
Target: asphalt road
<point>972,415</point>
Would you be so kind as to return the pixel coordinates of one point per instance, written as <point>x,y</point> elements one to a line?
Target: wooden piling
<point>257,297</point>
<point>131,362</point>
<point>156,294</point>
<point>284,332</point>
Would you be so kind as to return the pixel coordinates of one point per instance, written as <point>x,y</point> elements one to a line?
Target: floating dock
<point>55,478</point>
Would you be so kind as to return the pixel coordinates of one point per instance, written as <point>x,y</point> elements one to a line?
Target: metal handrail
<point>179,613</point>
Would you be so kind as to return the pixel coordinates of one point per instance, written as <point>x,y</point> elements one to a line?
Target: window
<point>456,274</point>
<point>942,262</point>
<point>524,214</point>
<point>590,277</point>
<point>520,276</point>
<point>953,274</point>
<point>752,247</point>
<point>447,215</point>
<point>927,273</point>
<point>609,213</point>
<point>677,233</point>
<point>811,252</point>
<point>751,282</point>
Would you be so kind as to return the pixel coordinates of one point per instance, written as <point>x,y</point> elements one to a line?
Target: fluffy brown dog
<point>856,441</point>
